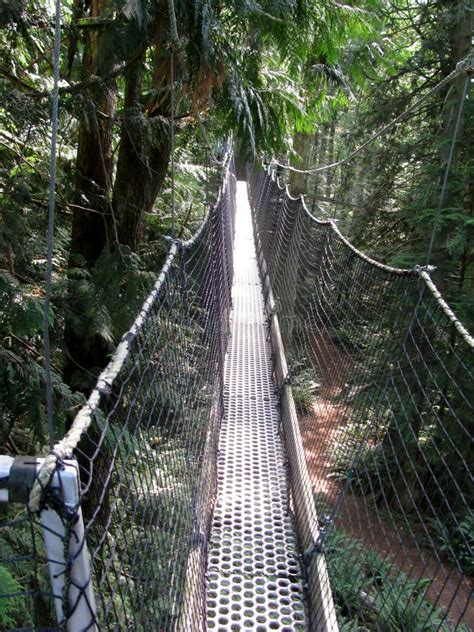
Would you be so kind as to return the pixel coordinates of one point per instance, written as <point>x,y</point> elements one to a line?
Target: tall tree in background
<point>392,189</point>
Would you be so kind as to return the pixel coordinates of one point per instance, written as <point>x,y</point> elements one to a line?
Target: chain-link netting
<point>126,550</point>
<point>381,376</point>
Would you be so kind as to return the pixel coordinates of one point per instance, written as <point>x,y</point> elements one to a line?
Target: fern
<point>11,609</point>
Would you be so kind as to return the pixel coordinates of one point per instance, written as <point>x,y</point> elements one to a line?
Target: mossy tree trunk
<point>302,144</point>
<point>92,228</point>
<point>110,206</point>
<point>143,160</point>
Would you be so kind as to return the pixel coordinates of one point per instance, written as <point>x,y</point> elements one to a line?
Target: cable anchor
<point>428,269</point>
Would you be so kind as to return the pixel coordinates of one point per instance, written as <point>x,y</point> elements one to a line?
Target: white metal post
<point>81,601</point>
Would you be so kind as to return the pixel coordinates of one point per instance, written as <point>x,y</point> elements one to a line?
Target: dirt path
<point>448,589</point>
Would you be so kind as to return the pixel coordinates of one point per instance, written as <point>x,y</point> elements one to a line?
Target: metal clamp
<point>21,479</point>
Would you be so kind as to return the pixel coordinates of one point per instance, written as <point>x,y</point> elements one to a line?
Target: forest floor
<point>448,589</point>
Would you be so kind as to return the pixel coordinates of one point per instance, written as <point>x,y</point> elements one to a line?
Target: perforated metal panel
<point>254,577</point>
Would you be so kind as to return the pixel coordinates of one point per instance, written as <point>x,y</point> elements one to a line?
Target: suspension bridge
<point>195,491</point>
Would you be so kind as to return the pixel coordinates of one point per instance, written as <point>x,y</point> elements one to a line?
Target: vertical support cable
<point>207,173</point>
<point>50,239</point>
<point>448,168</point>
<point>173,212</point>
<point>174,44</point>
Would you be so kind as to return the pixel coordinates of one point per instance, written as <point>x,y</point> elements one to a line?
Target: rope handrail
<point>227,173</point>
<point>410,272</point>
<point>463,332</point>
<point>64,448</point>
<point>422,272</point>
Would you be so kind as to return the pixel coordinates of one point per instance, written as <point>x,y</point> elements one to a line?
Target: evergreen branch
<point>33,350</point>
<point>20,83</point>
<point>87,209</point>
<point>89,82</point>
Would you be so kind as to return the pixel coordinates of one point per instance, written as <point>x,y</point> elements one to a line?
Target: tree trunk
<point>94,163</point>
<point>460,47</point>
<point>145,149</point>
<point>116,211</point>
<point>91,222</point>
<point>402,442</point>
<point>302,144</point>
<point>144,156</point>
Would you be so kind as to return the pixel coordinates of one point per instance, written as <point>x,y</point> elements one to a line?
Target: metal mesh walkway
<point>254,577</point>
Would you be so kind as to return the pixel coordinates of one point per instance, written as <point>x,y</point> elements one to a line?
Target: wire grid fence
<point>146,453</point>
<point>381,375</point>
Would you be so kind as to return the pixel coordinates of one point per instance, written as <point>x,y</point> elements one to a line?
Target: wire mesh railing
<point>109,532</point>
<point>381,376</point>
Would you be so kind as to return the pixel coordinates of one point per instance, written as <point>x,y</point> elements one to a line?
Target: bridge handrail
<point>63,449</point>
<point>409,272</point>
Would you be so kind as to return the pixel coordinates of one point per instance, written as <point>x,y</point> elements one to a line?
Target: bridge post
<point>63,530</point>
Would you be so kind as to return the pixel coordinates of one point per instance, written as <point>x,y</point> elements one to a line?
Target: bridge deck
<point>253,576</point>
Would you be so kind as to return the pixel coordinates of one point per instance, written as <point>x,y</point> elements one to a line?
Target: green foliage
<point>390,202</point>
<point>397,181</point>
<point>262,70</point>
<point>12,606</point>
<point>303,385</point>
<point>153,517</point>
<point>108,297</point>
<point>377,599</point>
<point>347,444</point>
<point>22,408</point>
<point>456,541</point>
<point>24,565</point>
<point>151,446</point>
